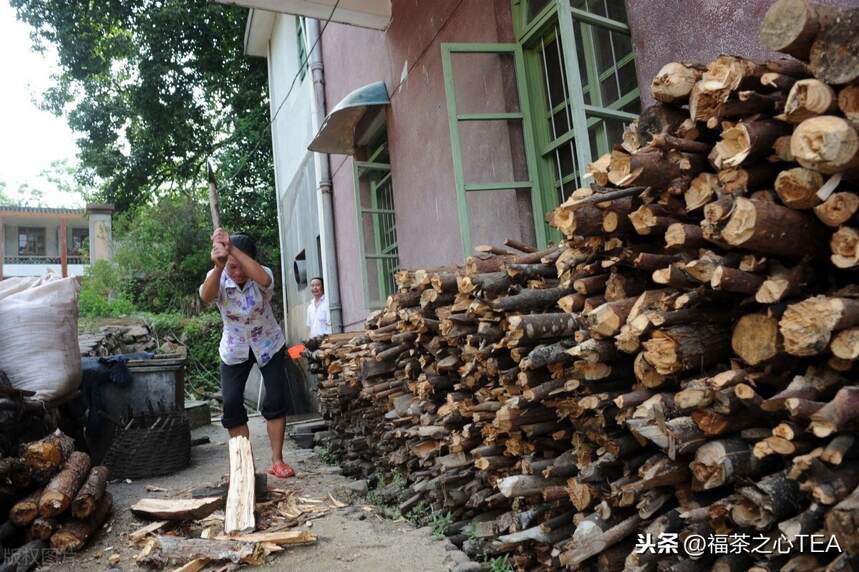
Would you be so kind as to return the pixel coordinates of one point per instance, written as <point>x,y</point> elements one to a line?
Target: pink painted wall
<point>419,135</point>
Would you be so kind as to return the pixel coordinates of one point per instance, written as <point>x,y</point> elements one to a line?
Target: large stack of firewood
<point>51,499</point>
<point>681,363</point>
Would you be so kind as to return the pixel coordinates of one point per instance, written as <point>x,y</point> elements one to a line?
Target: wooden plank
<point>176,509</point>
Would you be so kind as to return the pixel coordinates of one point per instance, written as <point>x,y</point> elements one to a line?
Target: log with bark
<point>72,535</point>
<point>58,494</point>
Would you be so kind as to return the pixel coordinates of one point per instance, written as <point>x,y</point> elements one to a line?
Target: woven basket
<point>150,446</point>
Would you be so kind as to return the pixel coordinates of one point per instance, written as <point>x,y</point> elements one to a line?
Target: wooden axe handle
<point>214,201</point>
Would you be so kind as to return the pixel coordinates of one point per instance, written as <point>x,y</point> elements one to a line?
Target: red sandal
<point>281,471</point>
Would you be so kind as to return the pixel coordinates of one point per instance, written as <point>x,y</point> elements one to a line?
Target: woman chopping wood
<point>242,288</point>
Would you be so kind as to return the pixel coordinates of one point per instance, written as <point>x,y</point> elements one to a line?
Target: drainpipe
<point>325,188</point>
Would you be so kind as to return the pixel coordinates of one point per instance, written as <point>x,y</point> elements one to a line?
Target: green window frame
<point>580,67</point>
<point>532,184</point>
<point>377,223</point>
<point>300,38</point>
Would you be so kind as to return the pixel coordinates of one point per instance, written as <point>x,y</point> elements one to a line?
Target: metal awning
<point>337,134</point>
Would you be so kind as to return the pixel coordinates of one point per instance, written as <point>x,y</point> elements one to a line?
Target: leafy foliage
<point>439,521</point>
<point>201,334</point>
<point>163,250</point>
<point>501,564</point>
<point>156,88</point>
<point>103,293</point>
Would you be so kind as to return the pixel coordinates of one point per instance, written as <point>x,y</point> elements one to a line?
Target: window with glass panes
<point>581,77</point>
<point>302,47</point>
<point>377,225</point>
<point>31,241</point>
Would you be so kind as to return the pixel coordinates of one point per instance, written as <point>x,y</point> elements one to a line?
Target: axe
<point>214,202</point>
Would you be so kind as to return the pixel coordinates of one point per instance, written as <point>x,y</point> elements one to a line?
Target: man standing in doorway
<point>318,320</point>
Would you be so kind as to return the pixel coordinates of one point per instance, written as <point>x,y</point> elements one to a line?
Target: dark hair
<point>321,281</point>
<point>244,243</point>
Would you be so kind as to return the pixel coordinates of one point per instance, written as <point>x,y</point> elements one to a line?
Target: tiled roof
<point>46,210</point>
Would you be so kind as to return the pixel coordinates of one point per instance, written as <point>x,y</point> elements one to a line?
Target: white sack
<point>39,335</point>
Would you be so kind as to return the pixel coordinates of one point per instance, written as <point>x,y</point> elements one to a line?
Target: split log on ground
<point>828,144</point>
<point>26,557</point>
<point>239,509</point>
<point>281,537</point>
<point>838,414</point>
<point>674,81</point>
<point>756,338</point>
<point>808,326</point>
<point>747,141</point>
<point>837,209</point>
<point>59,493</point>
<point>90,493</point>
<point>833,54</point>
<point>73,534</point>
<point>176,509</point>
<point>842,522</point>
<point>809,98</point>
<point>539,326</point>
<point>791,26</point>
<point>686,347</point>
<point>46,456</point>
<point>25,511</point>
<point>797,187</point>
<point>767,228</point>
<point>845,247</point>
<point>145,531</point>
<point>182,549</point>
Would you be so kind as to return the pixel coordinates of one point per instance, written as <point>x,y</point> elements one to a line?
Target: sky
<point>30,139</point>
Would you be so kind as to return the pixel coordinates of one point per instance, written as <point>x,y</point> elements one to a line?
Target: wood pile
<point>54,500</point>
<point>681,363</point>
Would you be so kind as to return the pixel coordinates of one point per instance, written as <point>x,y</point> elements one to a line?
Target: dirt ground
<point>350,538</point>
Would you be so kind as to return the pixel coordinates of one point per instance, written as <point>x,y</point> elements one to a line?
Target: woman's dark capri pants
<point>233,380</point>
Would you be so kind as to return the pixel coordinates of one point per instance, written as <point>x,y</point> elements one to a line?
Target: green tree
<point>5,199</point>
<point>163,251</point>
<point>156,88</point>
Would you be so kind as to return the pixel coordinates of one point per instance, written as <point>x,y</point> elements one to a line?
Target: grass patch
<point>439,521</point>
<point>501,564</point>
<point>326,456</point>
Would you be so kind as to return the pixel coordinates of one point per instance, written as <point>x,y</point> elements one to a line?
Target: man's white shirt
<point>318,322</point>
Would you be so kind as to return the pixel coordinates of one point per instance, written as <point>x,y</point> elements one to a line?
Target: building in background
<point>36,240</point>
<point>445,124</point>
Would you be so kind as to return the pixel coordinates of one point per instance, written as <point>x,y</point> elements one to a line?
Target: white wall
<point>295,177</point>
<point>13,270</point>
